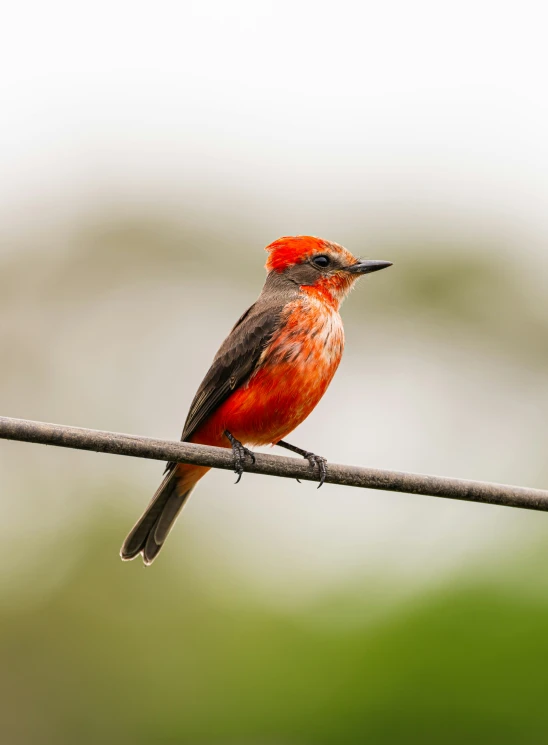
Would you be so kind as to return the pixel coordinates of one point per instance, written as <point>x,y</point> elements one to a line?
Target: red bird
<point>268,375</point>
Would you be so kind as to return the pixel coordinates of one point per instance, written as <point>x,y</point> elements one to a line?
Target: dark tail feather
<point>150,532</point>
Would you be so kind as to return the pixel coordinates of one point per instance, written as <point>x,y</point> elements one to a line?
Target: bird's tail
<point>150,532</point>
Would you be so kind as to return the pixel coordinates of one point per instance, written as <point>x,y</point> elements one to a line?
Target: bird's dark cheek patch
<point>304,274</point>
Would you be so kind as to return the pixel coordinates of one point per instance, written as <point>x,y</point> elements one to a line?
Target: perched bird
<point>268,375</point>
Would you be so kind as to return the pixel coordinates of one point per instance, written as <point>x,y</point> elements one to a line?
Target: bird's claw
<point>318,460</point>
<point>239,452</point>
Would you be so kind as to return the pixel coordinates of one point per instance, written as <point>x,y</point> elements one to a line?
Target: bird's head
<point>327,268</point>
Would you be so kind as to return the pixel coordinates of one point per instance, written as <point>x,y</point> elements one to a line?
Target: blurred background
<point>148,152</point>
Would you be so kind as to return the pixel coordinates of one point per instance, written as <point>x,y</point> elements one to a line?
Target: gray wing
<point>233,364</point>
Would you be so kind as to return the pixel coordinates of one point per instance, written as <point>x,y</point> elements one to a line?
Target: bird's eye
<point>321,261</point>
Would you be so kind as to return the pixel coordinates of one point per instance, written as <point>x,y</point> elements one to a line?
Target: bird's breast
<point>293,373</point>
<point>311,336</point>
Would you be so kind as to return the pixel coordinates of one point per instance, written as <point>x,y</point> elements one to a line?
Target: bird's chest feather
<point>293,373</point>
<point>309,345</point>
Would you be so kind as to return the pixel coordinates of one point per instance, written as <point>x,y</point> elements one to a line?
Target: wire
<point>116,443</point>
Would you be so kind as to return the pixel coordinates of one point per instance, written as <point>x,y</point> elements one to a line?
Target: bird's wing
<point>234,362</point>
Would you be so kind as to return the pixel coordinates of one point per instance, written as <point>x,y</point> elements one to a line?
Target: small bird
<point>268,375</point>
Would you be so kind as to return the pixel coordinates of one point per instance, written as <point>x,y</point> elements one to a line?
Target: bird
<point>268,375</point>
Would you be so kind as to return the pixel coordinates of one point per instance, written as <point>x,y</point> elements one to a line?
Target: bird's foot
<point>312,458</point>
<point>317,460</point>
<point>239,452</point>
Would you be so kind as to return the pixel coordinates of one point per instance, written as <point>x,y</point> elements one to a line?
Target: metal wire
<point>271,465</point>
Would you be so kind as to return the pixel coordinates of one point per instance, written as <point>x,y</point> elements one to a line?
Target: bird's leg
<point>314,460</point>
<point>239,452</point>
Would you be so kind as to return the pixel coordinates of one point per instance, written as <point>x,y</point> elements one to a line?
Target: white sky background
<point>439,107</point>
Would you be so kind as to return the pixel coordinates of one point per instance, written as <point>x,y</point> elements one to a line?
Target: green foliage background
<point>128,655</point>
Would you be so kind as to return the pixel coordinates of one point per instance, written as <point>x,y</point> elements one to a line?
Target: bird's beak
<point>367,266</point>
